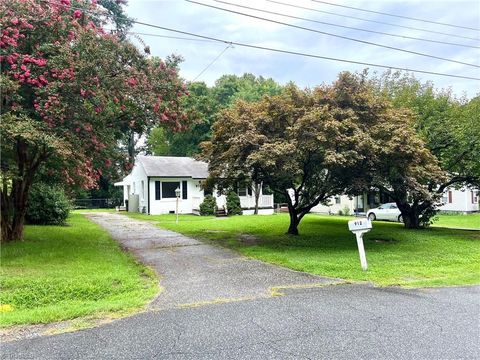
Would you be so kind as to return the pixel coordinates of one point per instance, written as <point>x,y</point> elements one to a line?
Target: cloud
<point>304,71</point>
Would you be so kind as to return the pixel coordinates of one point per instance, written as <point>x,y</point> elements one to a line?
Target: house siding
<point>167,205</point>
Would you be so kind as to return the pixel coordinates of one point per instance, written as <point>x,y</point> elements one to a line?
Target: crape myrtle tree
<point>70,92</point>
<point>450,128</point>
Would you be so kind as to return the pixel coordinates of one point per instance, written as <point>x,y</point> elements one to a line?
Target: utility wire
<point>291,52</point>
<point>213,61</point>
<point>305,54</point>
<point>170,37</point>
<point>347,27</point>
<point>335,35</point>
<point>397,16</point>
<point>373,21</point>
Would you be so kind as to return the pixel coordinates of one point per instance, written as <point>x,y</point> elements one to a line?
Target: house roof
<point>126,181</point>
<point>173,166</point>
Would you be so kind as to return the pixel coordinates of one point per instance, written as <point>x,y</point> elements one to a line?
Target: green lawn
<point>396,256</point>
<point>470,221</point>
<point>64,272</point>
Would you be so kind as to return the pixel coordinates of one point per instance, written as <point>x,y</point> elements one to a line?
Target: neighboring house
<point>150,187</point>
<point>463,200</point>
<point>460,200</point>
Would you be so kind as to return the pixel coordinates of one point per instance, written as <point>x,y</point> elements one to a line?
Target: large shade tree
<point>313,144</point>
<point>450,128</point>
<point>70,92</point>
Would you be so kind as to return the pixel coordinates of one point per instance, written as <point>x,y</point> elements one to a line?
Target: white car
<point>387,211</point>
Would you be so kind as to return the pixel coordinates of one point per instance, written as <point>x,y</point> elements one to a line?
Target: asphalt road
<point>333,322</point>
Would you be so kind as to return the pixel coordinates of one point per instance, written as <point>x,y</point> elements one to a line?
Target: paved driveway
<point>194,273</point>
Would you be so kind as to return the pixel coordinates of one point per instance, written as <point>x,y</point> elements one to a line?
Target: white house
<point>150,187</point>
<point>463,200</point>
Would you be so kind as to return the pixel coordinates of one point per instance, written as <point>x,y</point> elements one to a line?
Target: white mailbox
<point>360,227</point>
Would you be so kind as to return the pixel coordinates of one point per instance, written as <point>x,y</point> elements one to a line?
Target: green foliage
<point>69,271</point>
<point>233,204</point>
<point>449,126</point>
<point>314,144</point>
<point>47,205</point>
<point>157,142</point>
<point>208,206</point>
<point>203,105</point>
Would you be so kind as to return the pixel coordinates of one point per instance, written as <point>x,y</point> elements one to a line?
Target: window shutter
<point>184,190</point>
<point>249,189</point>
<point>157,190</point>
<point>450,197</point>
<point>473,197</point>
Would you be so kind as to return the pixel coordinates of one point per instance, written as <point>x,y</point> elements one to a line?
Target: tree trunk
<point>257,197</point>
<point>411,220</point>
<point>293,228</point>
<point>13,219</point>
<point>14,202</point>
<point>410,215</point>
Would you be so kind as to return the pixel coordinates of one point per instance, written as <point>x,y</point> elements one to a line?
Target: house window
<point>474,197</point>
<point>242,191</point>
<point>338,200</point>
<point>157,190</point>
<point>143,190</point>
<point>168,189</point>
<point>450,197</point>
<point>184,190</point>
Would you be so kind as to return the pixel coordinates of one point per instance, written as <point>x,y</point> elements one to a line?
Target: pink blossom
<point>77,14</point>
<point>98,109</point>
<point>132,82</point>
<point>65,2</point>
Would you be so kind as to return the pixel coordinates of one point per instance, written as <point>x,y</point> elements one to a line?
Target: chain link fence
<point>96,203</point>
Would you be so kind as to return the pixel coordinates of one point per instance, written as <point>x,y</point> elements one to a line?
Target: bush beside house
<point>233,204</point>
<point>208,206</point>
<point>47,205</point>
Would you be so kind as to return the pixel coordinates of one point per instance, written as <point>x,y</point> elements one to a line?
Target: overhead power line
<point>335,35</point>
<point>171,37</point>
<point>298,53</point>
<point>213,61</point>
<point>347,27</point>
<point>397,16</point>
<point>372,21</point>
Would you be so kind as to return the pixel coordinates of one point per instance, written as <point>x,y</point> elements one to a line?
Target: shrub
<point>208,206</point>
<point>346,211</point>
<point>233,204</point>
<point>47,205</point>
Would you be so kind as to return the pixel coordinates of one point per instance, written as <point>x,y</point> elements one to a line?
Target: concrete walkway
<point>193,273</point>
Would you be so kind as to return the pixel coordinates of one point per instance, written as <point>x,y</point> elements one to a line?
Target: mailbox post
<point>360,227</point>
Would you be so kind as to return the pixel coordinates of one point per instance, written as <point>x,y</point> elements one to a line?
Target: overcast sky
<point>189,17</point>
